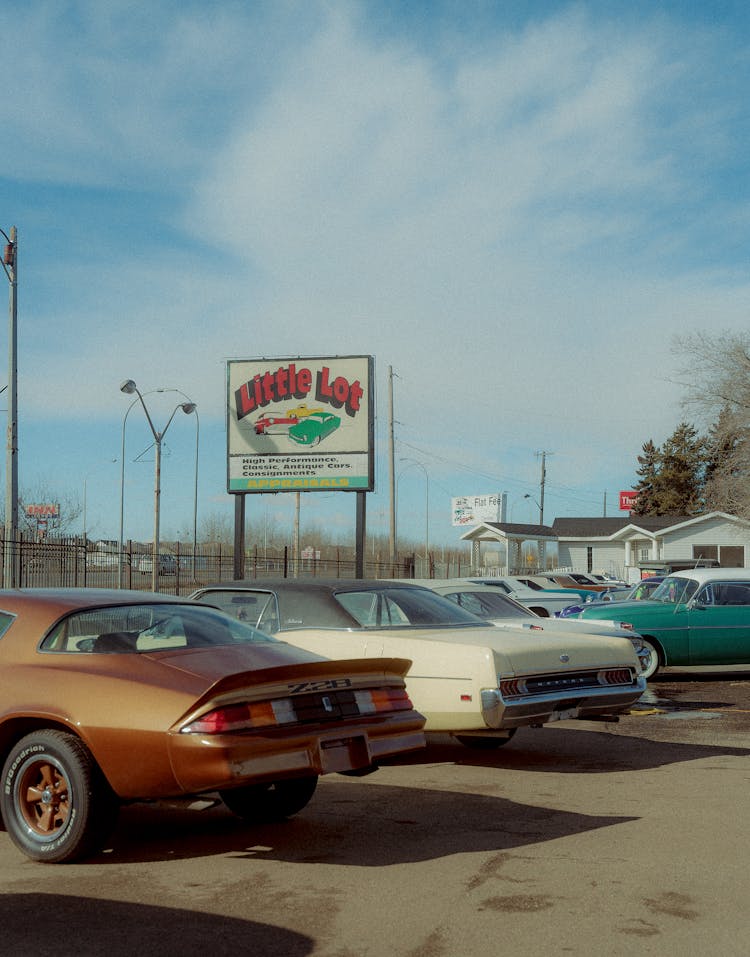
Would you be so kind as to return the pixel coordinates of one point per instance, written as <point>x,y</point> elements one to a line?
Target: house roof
<point>604,527</point>
<point>510,530</point>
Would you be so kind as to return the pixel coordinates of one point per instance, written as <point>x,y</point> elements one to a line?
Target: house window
<point>706,551</point>
<point>732,556</point>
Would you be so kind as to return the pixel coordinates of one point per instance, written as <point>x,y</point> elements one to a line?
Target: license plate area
<point>344,754</point>
<point>565,714</point>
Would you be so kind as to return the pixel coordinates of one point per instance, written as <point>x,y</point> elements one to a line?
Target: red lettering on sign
<point>338,393</point>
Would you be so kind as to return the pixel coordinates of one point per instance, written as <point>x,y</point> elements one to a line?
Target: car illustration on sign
<point>274,424</point>
<point>314,427</point>
<point>302,410</point>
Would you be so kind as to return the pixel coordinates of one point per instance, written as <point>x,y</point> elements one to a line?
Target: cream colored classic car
<point>470,679</point>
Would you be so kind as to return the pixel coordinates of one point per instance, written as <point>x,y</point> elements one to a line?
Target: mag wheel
<point>260,803</point>
<point>56,805</point>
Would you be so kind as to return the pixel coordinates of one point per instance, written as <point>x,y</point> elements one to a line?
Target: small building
<point>619,545</point>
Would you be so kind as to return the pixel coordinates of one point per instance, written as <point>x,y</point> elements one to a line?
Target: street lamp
<point>540,507</point>
<point>129,387</point>
<point>195,482</point>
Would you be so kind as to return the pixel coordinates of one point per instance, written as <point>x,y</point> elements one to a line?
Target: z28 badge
<point>329,684</point>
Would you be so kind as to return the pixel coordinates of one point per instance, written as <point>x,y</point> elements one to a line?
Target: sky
<point>514,207</point>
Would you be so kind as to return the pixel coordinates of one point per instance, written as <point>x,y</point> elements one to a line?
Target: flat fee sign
<point>300,424</point>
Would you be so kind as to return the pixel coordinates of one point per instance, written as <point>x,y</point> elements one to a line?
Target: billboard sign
<point>475,509</point>
<point>300,425</point>
<point>41,511</point>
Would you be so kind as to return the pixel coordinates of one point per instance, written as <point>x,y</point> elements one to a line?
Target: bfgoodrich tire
<point>56,805</point>
<point>262,803</point>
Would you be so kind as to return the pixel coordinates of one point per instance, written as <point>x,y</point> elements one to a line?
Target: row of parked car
<point>246,692</point>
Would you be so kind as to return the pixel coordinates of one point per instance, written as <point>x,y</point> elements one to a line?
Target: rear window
<point>148,628</point>
<point>400,607</point>
<point>487,605</point>
<point>6,620</point>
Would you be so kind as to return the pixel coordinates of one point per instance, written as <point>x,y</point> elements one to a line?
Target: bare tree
<point>716,377</point>
<point>69,510</point>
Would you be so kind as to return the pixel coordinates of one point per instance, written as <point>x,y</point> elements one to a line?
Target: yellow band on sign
<point>276,485</point>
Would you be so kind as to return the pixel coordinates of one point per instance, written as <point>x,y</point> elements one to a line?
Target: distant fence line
<point>73,563</point>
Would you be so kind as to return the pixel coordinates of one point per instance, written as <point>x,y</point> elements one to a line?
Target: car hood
<point>633,611</point>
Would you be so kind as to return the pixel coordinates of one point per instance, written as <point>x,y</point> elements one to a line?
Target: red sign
<point>627,501</point>
<point>42,511</point>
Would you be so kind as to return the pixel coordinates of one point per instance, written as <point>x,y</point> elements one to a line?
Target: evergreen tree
<point>679,488</point>
<point>648,470</point>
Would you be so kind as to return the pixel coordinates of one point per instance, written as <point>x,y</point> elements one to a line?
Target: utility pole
<point>541,486</point>
<point>392,474</point>
<point>10,265</point>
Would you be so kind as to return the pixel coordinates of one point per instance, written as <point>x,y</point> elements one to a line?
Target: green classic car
<point>314,427</point>
<point>695,617</point>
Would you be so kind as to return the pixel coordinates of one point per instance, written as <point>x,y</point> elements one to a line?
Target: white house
<point>618,545</point>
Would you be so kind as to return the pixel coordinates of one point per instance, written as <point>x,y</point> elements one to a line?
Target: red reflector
<point>466,697</point>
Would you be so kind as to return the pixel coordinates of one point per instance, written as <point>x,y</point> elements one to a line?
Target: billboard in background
<point>46,510</point>
<point>475,509</point>
<point>627,500</point>
<point>300,424</point>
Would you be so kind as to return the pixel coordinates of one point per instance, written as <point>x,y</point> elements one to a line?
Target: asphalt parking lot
<point>578,838</point>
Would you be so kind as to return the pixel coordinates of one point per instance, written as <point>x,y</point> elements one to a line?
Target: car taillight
<point>615,676</point>
<point>384,699</point>
<point>243,717</point>
<point>250,716</point>
<point>512,687</point>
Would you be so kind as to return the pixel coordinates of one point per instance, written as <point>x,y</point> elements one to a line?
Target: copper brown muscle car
<point>114,696</point>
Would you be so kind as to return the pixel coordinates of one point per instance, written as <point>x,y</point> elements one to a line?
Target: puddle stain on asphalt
<point>650,703</point>
<point>674,905</point>
<point>518,903</point>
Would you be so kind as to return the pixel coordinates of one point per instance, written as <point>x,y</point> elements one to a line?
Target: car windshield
<point>674,590</point>
<point>400,607</point>
<point>148,628</point>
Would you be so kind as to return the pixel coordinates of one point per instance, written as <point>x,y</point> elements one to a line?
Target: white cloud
<point>519,228</point>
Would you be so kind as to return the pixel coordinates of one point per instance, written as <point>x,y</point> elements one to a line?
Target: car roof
<point>456,584</point>
<point>702,575</point>
<point>48,604</point>
<point>329,585</point>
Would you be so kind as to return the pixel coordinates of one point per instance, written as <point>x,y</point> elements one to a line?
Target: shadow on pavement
<point>350,822</point>
<point>51,925</point>
<point>565,748</point>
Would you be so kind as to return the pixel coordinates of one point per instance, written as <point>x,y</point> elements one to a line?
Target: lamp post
<point>195,482</point>
<point>10,267</point>
<point>129,387</point>
<point>540,507</point>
